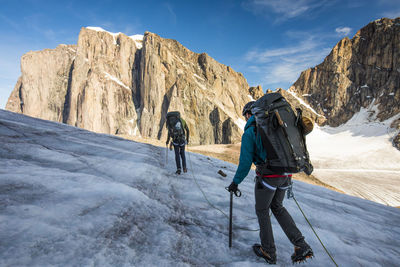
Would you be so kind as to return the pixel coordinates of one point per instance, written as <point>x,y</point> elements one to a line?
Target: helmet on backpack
<point>247,108</point>
<point>307,124</point>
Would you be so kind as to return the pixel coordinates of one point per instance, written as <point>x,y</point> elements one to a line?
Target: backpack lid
<point>173,114</point>
<point>172,118</point>
<point>265,101</point>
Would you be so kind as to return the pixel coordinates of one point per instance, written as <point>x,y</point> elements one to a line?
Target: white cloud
<point>343,31</point>
<point>287,9</point>
<point>269,55</point>
<point>287,69</point>
<point>281,67</point>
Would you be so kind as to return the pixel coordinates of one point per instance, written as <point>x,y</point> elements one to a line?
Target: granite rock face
<point>41,91</point>
<point>256,92</point>
<point>116,84</point>
<point>209,95</point>
<point>357,73</point>
<point>102,94</point>
<point>362,72</point>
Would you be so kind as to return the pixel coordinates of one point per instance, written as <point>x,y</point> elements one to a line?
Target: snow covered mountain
<point>69,197</point>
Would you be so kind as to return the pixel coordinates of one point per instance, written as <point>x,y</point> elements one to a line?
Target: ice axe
<point>237,193</point>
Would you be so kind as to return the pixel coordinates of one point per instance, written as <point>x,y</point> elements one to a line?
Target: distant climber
<point>179,132</point>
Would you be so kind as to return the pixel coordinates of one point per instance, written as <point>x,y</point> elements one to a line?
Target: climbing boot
<point>260,252</point>
<point>302,253</point>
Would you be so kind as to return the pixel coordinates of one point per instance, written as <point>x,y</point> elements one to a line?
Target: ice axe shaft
<point>166,158</point>
<point>230,220</point>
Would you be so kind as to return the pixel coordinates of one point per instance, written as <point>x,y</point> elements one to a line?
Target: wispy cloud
<point>391,14</point>
<point>171,13</point>
<point>281,67</point>
<point>270,55</point>
<point>286,9</point>
<point>392,8</point>
<point>343,31</point>
<point>14,25</point>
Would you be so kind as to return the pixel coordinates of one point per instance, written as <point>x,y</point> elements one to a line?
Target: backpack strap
<point>271,153</point>
<point>256,130</point>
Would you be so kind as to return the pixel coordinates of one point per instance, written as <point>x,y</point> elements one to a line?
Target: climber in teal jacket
<point>269,192</point>
<point>250,142</point>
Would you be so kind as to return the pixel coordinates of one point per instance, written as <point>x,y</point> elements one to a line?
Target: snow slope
<point>358,157</point>
<point>69,197</point>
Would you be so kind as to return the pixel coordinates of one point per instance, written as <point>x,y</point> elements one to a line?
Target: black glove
<point>166,143</point>
<point>233,187</point>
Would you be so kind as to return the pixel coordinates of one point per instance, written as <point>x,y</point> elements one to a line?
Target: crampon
<point>302,254</point>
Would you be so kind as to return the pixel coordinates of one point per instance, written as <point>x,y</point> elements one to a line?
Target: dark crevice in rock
<point>67,101</point>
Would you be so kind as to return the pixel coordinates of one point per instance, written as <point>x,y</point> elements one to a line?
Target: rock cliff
<point>41,91</point>
<point>116,84</point>
<point>362,72</point>
<point>356,73</point>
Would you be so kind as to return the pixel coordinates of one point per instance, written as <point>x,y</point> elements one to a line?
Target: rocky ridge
<point>116,84</point>
<point>362,72</point>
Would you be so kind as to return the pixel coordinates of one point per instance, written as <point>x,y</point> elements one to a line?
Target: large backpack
<point>282,134</point>
<point>175,126</point>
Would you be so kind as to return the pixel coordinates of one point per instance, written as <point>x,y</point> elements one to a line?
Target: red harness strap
<point>274,175</point>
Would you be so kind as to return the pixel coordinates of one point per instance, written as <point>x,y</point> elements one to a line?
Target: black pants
<point>269,194</point>
<point>180,153</point>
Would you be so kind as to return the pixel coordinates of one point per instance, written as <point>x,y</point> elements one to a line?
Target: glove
<point>166,143</point>
<point>170,146</point>
<point>233,187</point>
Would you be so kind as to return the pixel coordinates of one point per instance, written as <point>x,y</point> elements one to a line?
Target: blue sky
<point>269,41</point>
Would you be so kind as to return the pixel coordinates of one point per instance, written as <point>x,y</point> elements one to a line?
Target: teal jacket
<point>251,151</point>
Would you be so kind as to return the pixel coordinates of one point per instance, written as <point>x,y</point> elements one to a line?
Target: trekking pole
<point>166,158</point>
<point>230,221</point>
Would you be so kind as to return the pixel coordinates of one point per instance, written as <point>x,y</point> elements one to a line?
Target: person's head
<point>247,110</point>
